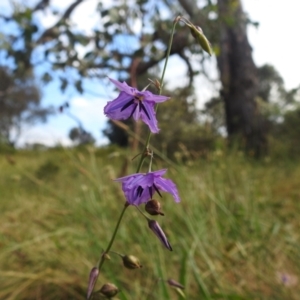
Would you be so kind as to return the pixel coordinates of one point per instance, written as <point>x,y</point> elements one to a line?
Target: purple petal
<point>123,86</point>
<point>167,185</point>
<point>113,109</point>
<point>135,198</point>
<point>148,96</point>
<point>152,122</point>
<point>159,173</point>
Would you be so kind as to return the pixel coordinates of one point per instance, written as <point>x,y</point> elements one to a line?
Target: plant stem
<point>113,237</point>
<point>160,89</point>
<point>143,156</point>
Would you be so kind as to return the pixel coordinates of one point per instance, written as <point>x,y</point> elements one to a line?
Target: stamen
<point>150,192</point>
<point>157,190</point>
<point>127,104</point>
<point>145,111</point>
<point>139,191</point>
<point>134,108</point>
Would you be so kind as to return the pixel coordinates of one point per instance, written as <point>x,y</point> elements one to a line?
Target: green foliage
<point>235,234</point>
<point>47,170</point>
<point>65,48</point>
<point>181,126</point>
<point>81,137</point>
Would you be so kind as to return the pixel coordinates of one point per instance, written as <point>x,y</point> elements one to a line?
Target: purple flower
<point>133,103</point>
<point>139,188</point>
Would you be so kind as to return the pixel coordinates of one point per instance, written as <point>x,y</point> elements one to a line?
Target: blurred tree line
<point>130,40</point>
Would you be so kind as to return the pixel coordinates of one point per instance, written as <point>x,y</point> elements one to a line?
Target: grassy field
<point>235,235</point>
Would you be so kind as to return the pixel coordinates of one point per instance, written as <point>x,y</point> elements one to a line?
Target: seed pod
<point>109,290</point>
<point>131,262</point>
<point>153,207</point>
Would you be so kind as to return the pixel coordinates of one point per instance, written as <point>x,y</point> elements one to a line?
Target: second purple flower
<point>140,188</point>
<point>133,103</point>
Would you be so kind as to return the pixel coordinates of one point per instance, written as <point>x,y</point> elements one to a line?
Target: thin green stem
<point>113,237</point>
<point>160,89</point>
<point>143,156</point>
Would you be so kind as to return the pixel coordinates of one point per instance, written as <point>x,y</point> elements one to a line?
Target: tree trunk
<point>239,79</point>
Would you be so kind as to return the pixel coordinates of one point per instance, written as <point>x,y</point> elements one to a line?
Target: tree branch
<point>48,33</point>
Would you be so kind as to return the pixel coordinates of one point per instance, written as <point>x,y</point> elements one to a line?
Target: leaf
<point>78,86</point>
<point>46,78</point>
<point>63,84</point>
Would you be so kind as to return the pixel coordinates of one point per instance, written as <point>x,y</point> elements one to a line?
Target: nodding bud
<point>175,284</point>
<point>198,34</point>
<point>106,256</point>
<point>153,207</point>
<point>92,281</point>
<point>131,262</point>
<point>109,290</point>
<point>154,226</point>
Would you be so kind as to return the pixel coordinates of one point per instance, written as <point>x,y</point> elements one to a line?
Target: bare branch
<point>48,33</point>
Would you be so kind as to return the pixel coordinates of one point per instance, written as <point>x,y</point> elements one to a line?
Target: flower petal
<point>148,96</point>
<point>167,185</point>
<point>152,121</point>
<point>113,109</point>
<point>123,86</point>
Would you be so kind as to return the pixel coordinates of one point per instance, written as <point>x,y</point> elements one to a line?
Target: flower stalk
<point>139,187</point>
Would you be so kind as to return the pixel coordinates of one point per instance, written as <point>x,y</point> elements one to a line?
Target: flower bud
<point>109,290</point>
<point>175,284</point>
<point>131,262</point>
<point>198,34</point>
<point>153,207</point>
<point>106,256</point>
<point>154,226</point>
<point>92,281</point>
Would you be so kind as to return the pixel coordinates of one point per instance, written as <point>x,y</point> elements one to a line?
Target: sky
<point>275,41</point>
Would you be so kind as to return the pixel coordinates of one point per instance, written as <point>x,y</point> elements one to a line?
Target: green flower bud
<point>109,290</point>
<point>198,34</point>
<point>153,207</point>
<point>131,262</point>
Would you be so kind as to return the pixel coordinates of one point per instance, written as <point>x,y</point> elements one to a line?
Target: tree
<point>80,136</point>
<point>117,46</point>
<point>239,78</point>
<point>19,105</point>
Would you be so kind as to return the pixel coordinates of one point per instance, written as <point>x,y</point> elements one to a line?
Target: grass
<point>235,235</point>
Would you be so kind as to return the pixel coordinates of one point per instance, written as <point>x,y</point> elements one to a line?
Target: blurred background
<point>230,136</point>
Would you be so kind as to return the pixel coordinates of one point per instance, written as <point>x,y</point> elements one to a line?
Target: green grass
<point>234,235</point>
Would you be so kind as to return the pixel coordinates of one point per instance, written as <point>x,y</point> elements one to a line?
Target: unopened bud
<point>198,34</point>
<point>92,281</point>
<point>177,287</point>
<point>106,256</point>
<point>131,262</point>
<point>109,290</point>
<point>174,283</point>
<point>153,207</point>
<point>154,226</point>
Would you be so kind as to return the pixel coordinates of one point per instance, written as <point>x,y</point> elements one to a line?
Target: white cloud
<point>44,134</point>
<point>276,40</point>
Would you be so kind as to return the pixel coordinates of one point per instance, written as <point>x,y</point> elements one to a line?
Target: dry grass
<point>235,234</point>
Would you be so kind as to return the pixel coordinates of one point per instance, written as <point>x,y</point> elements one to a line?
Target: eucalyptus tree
<point>130,38</point>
